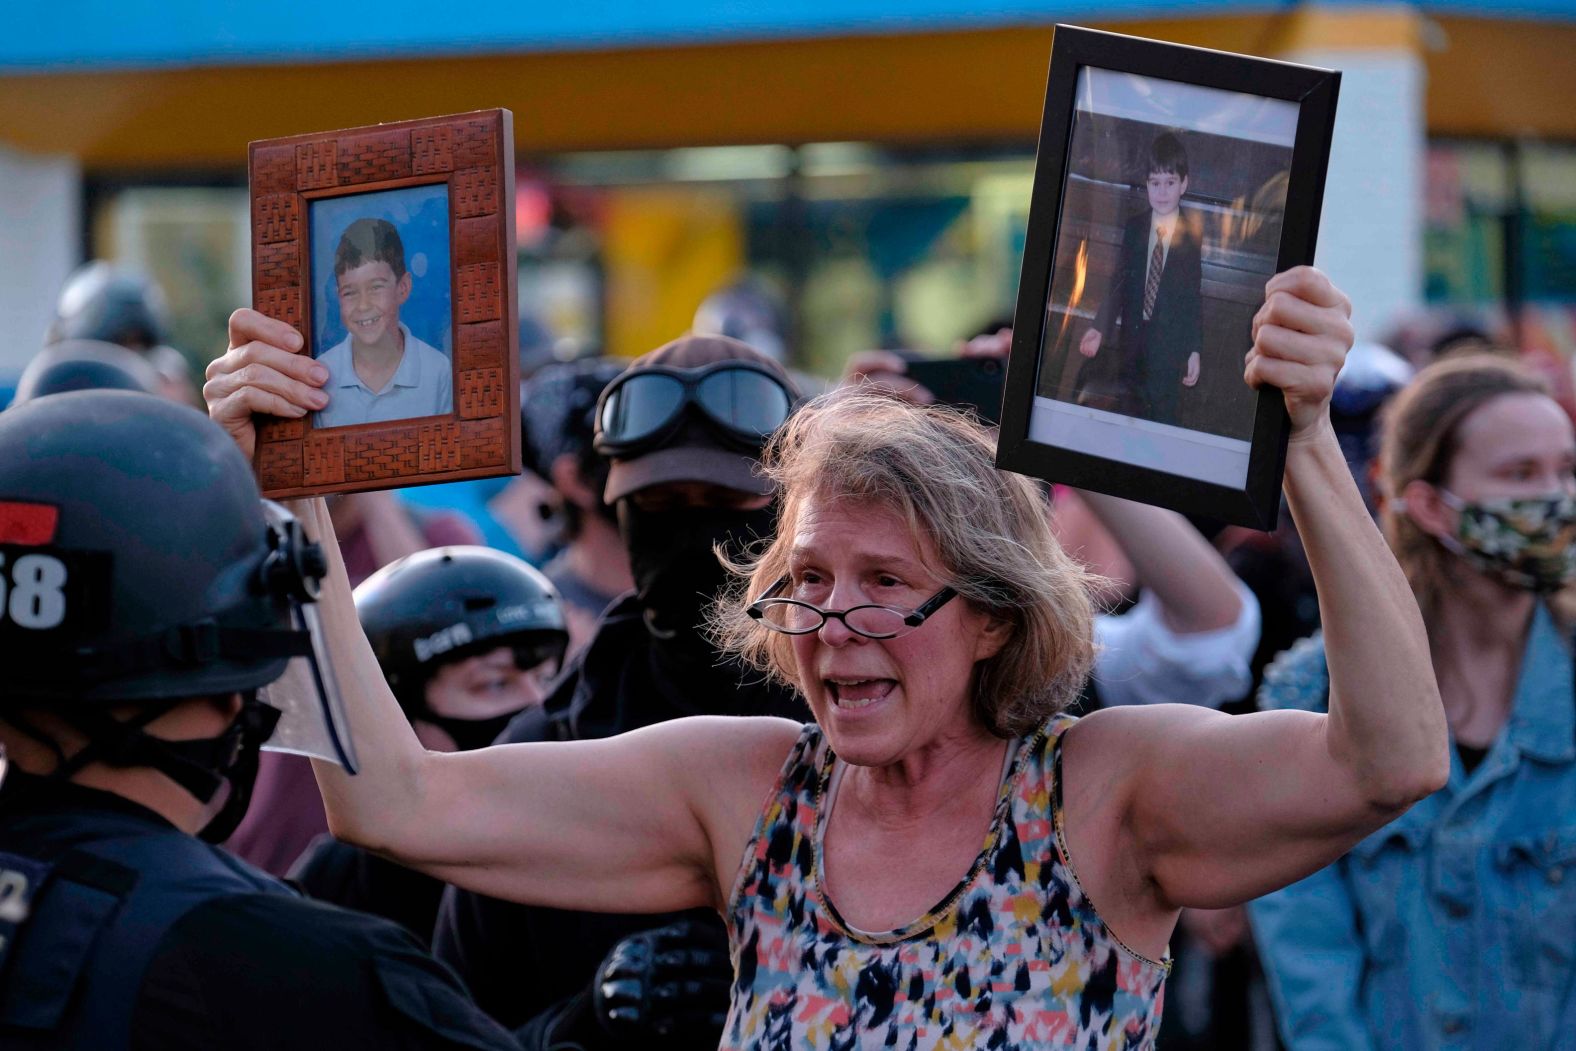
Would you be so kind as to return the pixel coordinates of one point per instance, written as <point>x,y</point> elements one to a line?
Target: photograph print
<point>381,305</point>
<point>390,249</point>
<point>1170,226</point>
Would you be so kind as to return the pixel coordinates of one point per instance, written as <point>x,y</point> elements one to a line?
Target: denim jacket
<point>1454,926</point>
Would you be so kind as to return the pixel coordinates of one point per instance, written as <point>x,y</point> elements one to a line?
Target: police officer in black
<point>149,598</point>
<point>467,637</point>
<point>684,427</point>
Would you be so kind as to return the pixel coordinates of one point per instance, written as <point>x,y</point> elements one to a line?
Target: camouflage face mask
<point>1527,542</point>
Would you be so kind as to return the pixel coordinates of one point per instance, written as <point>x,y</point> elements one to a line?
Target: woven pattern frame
<point>473,155</point>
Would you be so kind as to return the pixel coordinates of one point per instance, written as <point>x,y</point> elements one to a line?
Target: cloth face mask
<point>1527,542</point>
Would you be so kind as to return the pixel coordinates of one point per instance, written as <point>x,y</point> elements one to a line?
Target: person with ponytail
<point>1454,925</point>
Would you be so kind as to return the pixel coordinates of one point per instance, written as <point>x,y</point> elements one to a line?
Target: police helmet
<point>449,603</point>
<point>138,558</point>
<point>747,312</point>
<point>108,303</point>
<point>1369,376</point>
<point>84,364</point>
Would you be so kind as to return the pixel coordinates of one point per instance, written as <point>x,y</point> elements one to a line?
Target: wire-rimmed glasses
<point>793,616</point>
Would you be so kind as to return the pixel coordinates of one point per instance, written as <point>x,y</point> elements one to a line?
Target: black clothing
<point>1154,352</point>
<point>626,678</point>
<point>673,559</point>
<point>520,961</point>
<point>345,875</point>
<point>134,935</point>
<point>1275,569</point>
<point>334,979</point>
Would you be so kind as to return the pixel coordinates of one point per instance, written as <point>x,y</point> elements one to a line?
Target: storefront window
<point>1468,199</point>
<point>1500,223</point>
<point>863,247</point>
<point>1548,175</point>
<point>193,241</point>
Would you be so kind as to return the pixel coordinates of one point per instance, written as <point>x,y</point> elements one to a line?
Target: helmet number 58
<point>34,596</point>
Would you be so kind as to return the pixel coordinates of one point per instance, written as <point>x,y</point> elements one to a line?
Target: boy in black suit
<point>1155,294</point>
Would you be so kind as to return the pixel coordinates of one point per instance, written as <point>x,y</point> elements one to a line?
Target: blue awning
<point>87,35</point>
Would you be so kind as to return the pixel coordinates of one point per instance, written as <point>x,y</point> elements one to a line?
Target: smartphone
<point>970,383</point>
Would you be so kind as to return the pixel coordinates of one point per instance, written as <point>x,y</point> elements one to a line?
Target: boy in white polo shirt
<point>379,371</point>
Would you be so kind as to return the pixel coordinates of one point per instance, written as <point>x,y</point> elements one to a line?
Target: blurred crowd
<point>581,591</point>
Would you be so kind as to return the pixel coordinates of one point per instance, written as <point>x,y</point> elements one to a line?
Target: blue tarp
<point>44,36</point>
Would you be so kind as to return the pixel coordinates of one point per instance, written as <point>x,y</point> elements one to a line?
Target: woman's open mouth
<point>853,694</point>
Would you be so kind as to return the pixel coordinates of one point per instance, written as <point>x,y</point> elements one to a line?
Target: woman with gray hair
<point>943,859</point>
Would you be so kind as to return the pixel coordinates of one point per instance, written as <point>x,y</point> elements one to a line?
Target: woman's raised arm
<point>1220,809</point>
<point>656,819</point>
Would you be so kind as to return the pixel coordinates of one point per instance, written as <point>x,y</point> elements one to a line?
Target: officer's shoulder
<point>1298,678</point>
<point>346,975</point>
<point>288,930</point>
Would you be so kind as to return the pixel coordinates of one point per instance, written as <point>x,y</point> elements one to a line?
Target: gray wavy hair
<point>991,531</point>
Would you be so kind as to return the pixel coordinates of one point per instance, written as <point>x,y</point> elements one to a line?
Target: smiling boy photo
<point>380,371</point>
<point>1156,295</point>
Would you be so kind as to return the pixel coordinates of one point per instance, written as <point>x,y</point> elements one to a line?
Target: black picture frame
<point>1256,501</point>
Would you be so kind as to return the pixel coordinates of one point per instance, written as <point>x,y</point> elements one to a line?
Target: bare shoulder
<point>724,768</point>
<point>1140,766</point>
<point>723,762</point>
<point>1108,755</point>
<point>1110,733</point>
<point>1134,734</point>
<point>724,741</point>
<point>1116,763</point>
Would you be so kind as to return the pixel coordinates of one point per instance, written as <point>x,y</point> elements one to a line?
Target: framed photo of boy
<point>1171,184</point>
<point>391,249</point>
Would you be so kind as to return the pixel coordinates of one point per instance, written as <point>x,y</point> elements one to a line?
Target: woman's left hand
<point>1300,338</point>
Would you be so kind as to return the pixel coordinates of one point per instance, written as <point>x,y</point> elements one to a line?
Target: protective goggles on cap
<point>741,402</point>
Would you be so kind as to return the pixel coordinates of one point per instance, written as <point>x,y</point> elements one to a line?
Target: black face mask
<point>470,734</point>
<point>201,766</point>
<point>231,757</point>
<point>676,571</point>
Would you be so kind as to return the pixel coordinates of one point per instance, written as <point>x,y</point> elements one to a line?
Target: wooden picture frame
<point>304,188</point>
<point>1222,157</point>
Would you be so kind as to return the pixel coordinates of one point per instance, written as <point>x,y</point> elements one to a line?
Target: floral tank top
<point>1015,957</point>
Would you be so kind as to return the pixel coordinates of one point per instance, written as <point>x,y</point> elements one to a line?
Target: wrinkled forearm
<point>1386,723</point>
<point>361,808</point>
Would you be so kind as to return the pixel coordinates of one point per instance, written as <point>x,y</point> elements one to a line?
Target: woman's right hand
<point>264,371</point>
